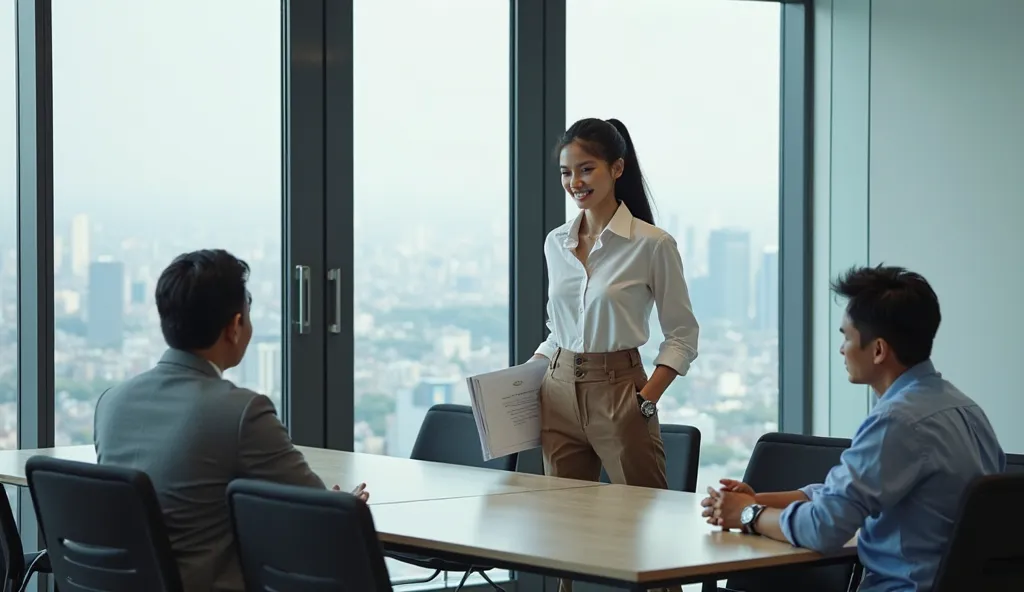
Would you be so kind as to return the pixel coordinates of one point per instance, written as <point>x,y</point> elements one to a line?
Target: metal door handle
<point>302,277</point>
<point>334,278</point>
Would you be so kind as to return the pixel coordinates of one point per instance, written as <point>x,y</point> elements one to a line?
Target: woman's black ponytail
<point>610,140</point>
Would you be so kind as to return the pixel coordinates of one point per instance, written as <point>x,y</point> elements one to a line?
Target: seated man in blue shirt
<point>901,480</point>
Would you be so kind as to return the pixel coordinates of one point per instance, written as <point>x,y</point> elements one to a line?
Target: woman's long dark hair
<point>610,141</point>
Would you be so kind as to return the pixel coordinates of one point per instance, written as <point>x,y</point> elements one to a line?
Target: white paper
<point>506,406</point>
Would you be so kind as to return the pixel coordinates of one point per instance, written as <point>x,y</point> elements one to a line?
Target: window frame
<point>796,217</point>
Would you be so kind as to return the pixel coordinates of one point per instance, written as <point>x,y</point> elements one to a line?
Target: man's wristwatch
<point>647,408</point>
<point>748,517</point>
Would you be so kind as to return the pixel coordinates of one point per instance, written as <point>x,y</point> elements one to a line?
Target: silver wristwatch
<point>647,408</point>
<point>749,516</point>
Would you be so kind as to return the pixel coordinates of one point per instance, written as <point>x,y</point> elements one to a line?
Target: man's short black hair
<point>893,304</point>
<point>198,295</point>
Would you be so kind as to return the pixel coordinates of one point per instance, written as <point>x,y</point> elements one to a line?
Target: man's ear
<point>234,329</point>
<point>881,352</point>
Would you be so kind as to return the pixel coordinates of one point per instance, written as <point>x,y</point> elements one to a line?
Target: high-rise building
<point>690,253</point>
<point>767,310</point>
<point>138,293</point>
<point>58,254</point>
<point>105,306</point>
<point>411,408</point>
<point>729,275</point>
<point>260,369</point>
<point>80,245</point>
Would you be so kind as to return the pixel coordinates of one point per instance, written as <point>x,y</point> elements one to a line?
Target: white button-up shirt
<point>606,306</point>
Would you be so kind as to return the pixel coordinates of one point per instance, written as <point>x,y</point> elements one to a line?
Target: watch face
<point>747,515</point>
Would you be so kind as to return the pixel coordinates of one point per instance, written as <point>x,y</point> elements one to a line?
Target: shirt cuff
<point>812,490</point>
<point>547,349</point>
<point>786,522</point>
<point>674,359</point>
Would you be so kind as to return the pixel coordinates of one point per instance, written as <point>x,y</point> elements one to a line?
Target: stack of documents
<point>506,405</point>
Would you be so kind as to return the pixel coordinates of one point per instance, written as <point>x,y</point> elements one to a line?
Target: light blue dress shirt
<point>900,482</point>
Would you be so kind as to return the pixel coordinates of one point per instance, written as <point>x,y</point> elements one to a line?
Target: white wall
<point>945,183</point>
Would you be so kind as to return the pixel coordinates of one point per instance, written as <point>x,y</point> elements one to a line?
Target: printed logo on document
<point>517,383</point>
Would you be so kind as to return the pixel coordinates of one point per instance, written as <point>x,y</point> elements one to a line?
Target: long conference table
<point>630,537</point>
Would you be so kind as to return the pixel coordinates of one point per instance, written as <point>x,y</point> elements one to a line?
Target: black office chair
<point>682,457</point>
<point>18,566</point>
<point>530,462</point>
<point>986,554</point>
<point>298,539</point>
<point>103,527</point>
<point>1015,463</point>
<point>784,462</point>
<point>449,435</point>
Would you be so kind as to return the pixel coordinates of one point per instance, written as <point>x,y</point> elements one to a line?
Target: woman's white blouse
<point>606,306</point>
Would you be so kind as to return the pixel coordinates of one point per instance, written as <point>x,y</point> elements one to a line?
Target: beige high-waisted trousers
<point>590,417</point>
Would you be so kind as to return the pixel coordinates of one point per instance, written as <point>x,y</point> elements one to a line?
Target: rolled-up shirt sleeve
<point>675,313</point>
<point>884,462</point>
<point>811,490</point>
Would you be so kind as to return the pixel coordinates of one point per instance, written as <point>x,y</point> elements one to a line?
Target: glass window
<point>697,84</point>
<point>8,235</point>
<point>431,92</point>
<point>167,139</point>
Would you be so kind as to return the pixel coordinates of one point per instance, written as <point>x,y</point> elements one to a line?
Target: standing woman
<point>606,269</point>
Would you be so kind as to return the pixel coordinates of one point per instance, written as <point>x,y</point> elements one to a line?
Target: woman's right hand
<point>736,486</point>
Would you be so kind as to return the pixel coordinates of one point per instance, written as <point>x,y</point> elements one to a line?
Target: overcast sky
<point>173,107</point>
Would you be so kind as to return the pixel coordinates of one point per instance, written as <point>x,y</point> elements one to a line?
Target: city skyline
<point>260,369</point>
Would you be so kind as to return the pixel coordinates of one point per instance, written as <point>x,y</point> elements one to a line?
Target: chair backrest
<point>983,553</point>
<point>293,539</point>
<point>1015,463</point>
<point>448,434</point>
<point>784,462</point>
<point>102,526</point>
<point>12,553</point>
<point>530,462</point>
<point>682,457</point>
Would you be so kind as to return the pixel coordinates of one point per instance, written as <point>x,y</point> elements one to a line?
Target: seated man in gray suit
<point>192,431</point>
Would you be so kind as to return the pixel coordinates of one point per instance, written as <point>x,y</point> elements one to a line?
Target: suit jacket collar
<point>189,360</point>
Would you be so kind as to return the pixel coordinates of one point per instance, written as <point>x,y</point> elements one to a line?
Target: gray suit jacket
<point>193,432</point>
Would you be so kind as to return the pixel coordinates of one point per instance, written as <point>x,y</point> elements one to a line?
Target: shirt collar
<point>620,224</point>
<point>216,369</point>
<point>909,377</point>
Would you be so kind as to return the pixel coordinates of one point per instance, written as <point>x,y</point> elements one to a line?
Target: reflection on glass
<point>171,146</point>
<point>697,84</point>
<point>431,211</point>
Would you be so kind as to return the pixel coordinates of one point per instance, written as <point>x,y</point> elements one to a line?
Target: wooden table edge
<point>696,573</point>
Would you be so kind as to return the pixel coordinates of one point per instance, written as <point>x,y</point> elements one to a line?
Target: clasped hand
<point>723,506</point>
